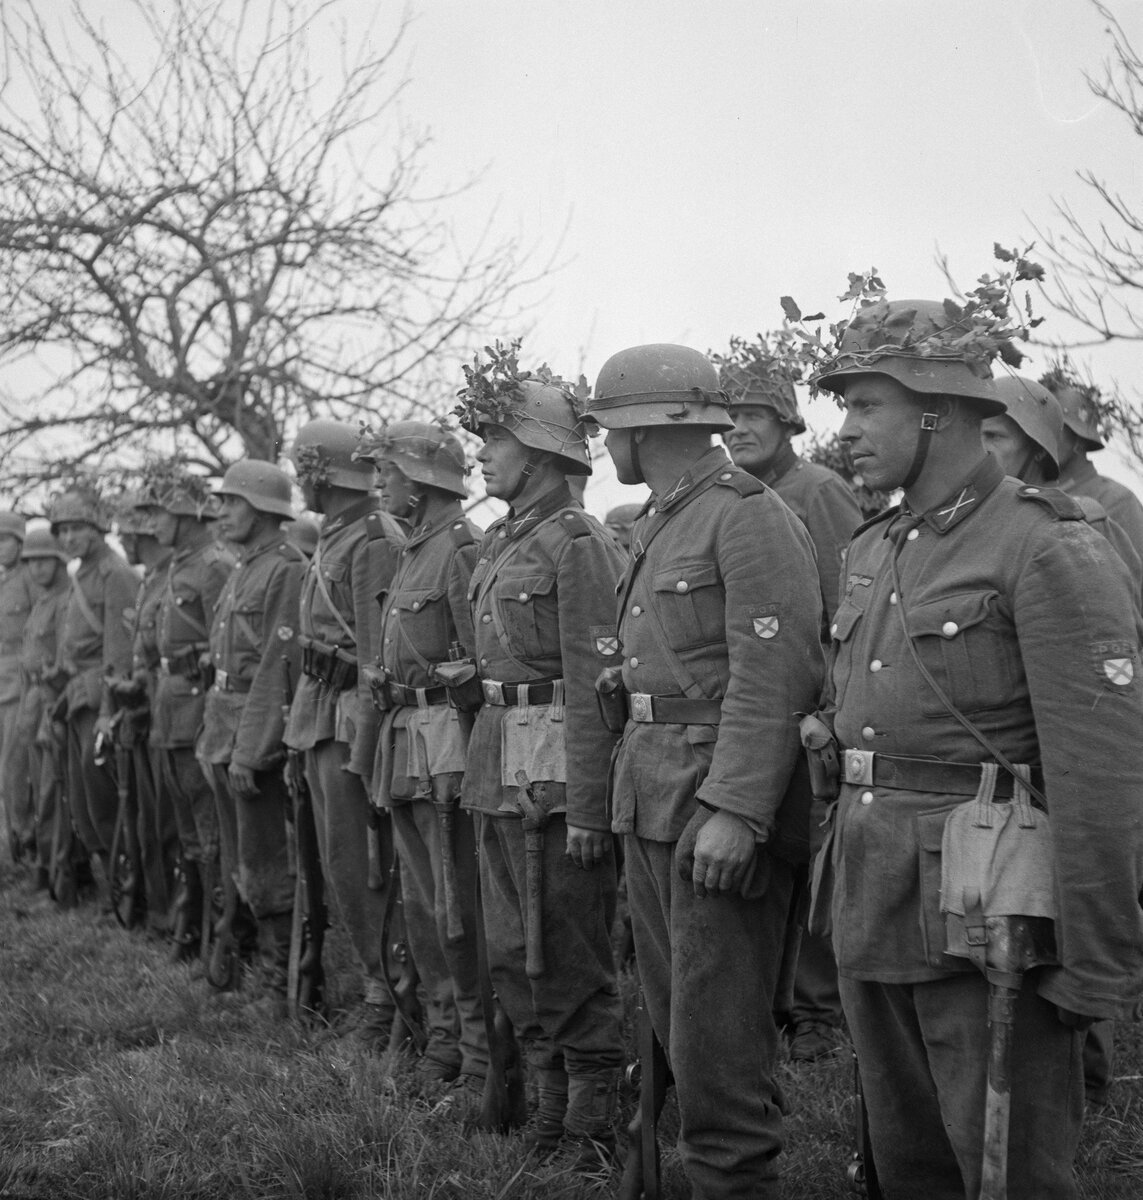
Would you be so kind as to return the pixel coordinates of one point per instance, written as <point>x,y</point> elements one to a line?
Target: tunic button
<point>833,628</point>
<point>634,662</point>
<point>681,586</point>
<point>912,535</point>
<point>892,597</point>
<point>949,628</point>
<point>523,596</point>
<point>484,662</point>
<point>1031,491</point>
<point>725,476</point>
<point>486,618</point>
<point>651,511</point>
<point>875,665</point>
<point>416,605</point>
<point>636,610</point>
<point>866,797</point>
<point>503,533</point>
<point>868,732</point>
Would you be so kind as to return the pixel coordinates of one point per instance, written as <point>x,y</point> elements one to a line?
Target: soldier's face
<point>78,539</point>
<point>881,427</point>
<point>239,521</point>
<point>399,495</point>
<point>165,525</point>
<point>43,571</point>
<point>502,460</point>
<point>9,550</point>
<point>756,438</point>
<point>620,445</point>
<point>1009,445</point>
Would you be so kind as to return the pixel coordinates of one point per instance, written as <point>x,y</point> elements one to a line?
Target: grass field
<point>120,1077</point>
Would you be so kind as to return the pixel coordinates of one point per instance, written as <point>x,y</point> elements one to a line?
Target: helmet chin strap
<point>633,451</point>
<point>1030,460</point>
<point>924,438</point>
<point>526,473</point>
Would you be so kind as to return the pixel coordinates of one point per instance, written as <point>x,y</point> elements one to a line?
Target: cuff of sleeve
<point>762,827</point>
<point>1058,987</point>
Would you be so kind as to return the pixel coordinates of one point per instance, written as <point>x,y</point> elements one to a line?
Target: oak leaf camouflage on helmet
<point>763,373</point>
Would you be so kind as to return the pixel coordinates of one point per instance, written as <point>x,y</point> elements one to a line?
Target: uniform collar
<point>516,523</point>
<point>347,516</point>
<point>247,553</point>
<point>422,533</point>
<point>712,461</point>
<point>981,483</point>
<point>782,464</point>
<point>1079,470</point>
<point>199,541</point>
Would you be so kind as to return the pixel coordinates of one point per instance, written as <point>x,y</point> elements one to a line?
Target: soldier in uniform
<point>719,622</point>
<point>17,595</point>
<point>1000,595</point>
<point>764,409</point>
<point>332,721</point>
<point>542,599</point>
<point>619,521</point>
<point>180,509</point>
<point>256,658</point>
<point>425,621</point>
<point>1081,436</point>
<point>47,569</point>
<point>95,642</point>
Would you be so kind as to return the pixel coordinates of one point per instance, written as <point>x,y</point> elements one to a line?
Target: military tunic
<point>1025,617</point>
<point>543,609</point>
<point>255,654</point>
<point>420,765</point>
<point>96,641</point>
<point>722,603</point>
<point>17,595</point>
<point>1080,478</point>
<point>334,728</point>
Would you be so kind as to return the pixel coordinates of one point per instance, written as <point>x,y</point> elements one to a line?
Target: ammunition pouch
<point>377,677</point>
<point>185,664</point>
<point>611,696</point>
<point>333,667</point>
<point>463,684</point>
<point>822,756</point>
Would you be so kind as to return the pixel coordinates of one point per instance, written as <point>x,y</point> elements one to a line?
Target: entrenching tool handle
<point>446,818</point>
<point>998,1096</point>
<point>534,819</point>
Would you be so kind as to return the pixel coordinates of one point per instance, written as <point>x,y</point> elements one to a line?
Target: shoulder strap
<point>84,607</point>
<point>327,599</point>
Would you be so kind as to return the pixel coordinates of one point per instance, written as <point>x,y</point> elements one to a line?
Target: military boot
<point>546,1121</point>
<point>589,1126</point>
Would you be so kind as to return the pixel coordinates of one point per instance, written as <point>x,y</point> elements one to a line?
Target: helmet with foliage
<point>131,515</point>
<point>1038,414</point>
<point>303,532</point>
<point>1084,411</point>
<point>920,344</point>
<point>80,502</point>
<point>262,485</point>
<point>13,524</point>
<point>758,375</point>
<point>171,487</point>
<point>324,455</point>
<point>425,453</point>
<point>541,410</point>
<point>659,384</point>
<point>41,543</point>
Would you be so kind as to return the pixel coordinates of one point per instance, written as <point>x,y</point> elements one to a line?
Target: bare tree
<point>202,251</point>
<point>1096,266</point>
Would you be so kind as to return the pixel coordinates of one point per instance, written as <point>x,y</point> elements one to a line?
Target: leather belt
<point>673,710</point>
<point>402,696</point>
<point>224,681</point>
<point>509,694</point>
<point>864,767</point>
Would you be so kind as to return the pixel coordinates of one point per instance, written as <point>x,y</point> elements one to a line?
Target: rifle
<point>504,1104</point>
<point>306,976</point>
<point>861,1174</point>
<point>62,879</point>
<point>534,818</point>
<point>640,1179</point>
<point>408,1016</point>
<point>125,865</point>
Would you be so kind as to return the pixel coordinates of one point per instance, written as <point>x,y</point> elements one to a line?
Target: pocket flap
<point>524,587</point>
<point>950,615</point>
<point>682,577</point>
<point>335,571</point>
<point>414,599</point>
<point>845,620</point>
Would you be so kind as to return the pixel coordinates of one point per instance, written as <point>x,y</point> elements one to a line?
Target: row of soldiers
<point>478,707</point>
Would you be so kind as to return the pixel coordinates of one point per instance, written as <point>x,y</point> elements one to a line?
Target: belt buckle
<point>640,707</point>
<point>222,680</point>
<point>493,691</point>
<point>859,767</point>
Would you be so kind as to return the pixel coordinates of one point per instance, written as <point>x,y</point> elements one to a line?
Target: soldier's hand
<point>242,781</point>
<point>586,847</point>
<point>723,850</point>
<point>104,729</point>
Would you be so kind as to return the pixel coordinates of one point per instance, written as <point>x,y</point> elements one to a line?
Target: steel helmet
<point>543,416</point>
<point>424,452</point>
<point>131,515</point>
<point>1080,405</point>
<point>41,543</point>
<point>175,490</point>
<point>304,533</point>
<point>659,384</point>
<point>262,485</point>
<point>14,524</point>
<point>1037,412</point>
<point>762,385</point>
<point>323,456</point>
<point>898,338</point>
<point>78,504</point>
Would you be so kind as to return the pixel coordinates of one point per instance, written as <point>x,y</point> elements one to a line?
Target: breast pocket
<point>969,649</point>
<point>423,620</point>
<point>247,623</point>
<point>842,630</point>
<point>691,604</point>
<point>527,607</point>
